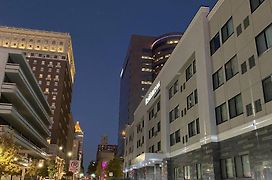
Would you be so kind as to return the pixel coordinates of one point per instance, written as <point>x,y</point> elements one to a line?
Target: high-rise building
<point>145,57</point>
<point>208,114</point>
<point>24,111</point>
<point>50,57</point>
<point>105,151</point>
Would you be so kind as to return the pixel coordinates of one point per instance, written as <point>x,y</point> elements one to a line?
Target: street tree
<point>115,167</point>
<point>92,167</point>
<point>8,156</point>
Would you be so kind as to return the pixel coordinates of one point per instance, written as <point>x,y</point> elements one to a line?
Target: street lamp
<point>69,154</point>
<point>60,148</point>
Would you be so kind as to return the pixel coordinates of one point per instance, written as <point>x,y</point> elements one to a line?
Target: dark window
<point>197,126</point>
<point>159,127</point>
<point>258,106</point>
<point>159,145</point>
<point>198,171</point>
<point>264,40</point>
<point>215,44</point>
<point>254,4</point>
<point>242,166</point>
<point>221,113</point>
<point>189,72</point>
<point>267,89</point>
<point>172,139</point>
<point>193,128</point>
<point>194,66</point>
<point>231,68</point>
<point>239,30</point>
<point>218,78</point>
<point>176,87</point>
<point>235,106</point>
<point>158,106</point>
<point>171,116</point>
<point>227,30</point>
<point>196,96</point>
<point>246,22</point>
<point>251,62</point>
<point>176,111</point>
<point>170,92</point>
<point>249,109</point>
<point>227,169</point>
<point>244,68</point>
<point>177,136</point>
<point>190,101</point>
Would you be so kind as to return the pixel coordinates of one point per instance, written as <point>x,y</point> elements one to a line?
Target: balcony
<point>10,114</point>
<point>24,143</point>
<point>11,92</point>
<point>15,74</point>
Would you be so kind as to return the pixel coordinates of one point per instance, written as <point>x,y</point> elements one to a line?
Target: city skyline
<point>98,40</point>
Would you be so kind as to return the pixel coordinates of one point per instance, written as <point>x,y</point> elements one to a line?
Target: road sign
<point>74,166</point>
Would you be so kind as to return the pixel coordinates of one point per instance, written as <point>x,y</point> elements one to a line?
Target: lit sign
<point>152,93</point>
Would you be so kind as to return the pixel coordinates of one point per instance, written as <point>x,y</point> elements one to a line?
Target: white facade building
<point>208,114</point>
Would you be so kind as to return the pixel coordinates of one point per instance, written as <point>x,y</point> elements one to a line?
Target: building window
<point>40,82</point>
<point>239,30</point>
<point>187,172</point>
<point>198,171</point>
<point>193,128</point>
<point>189,72</point>
<point>172,139</point>
<point>249,109</point>
<point>47,83</point>
<point>159,127</point>
<point>159,146</point>
<point>177,136</point>
<point>246,22</point>
<point>267,89</point>
<point>231,68</point>
<point>227,168</point>
<point>196,96</point>
<point>215,43</point>
<point>40,75</point>
<point>251,62</point>
<point>41,69</point>
<point>244,67</point>
<point>235,106</point>
<point>227,30</point>
<point>242,165</point>
<point>218,78</point>
<point>264,40</point>
<point>34,68</point>
<point>221,113</point>
<point>194,66</point>
<point>177,173</point>
<point>158,106</point>
<point>175,87</point>
<point>258,106</point>
<point>254,4</point>
<point>174,114</point>
<point>190,101</point>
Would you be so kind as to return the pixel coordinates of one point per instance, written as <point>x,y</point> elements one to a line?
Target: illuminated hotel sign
<point>152,93</point>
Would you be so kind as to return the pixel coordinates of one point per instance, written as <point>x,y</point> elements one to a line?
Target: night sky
<point>100,31</point>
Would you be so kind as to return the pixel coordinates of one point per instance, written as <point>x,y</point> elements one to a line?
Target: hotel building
<point>208,114</point>
<point>145,57</point>
<point>50,57</point>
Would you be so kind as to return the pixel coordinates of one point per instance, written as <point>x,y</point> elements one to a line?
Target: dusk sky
<point>100,31</point>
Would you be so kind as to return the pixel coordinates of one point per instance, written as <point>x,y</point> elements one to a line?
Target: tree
<point>92,167</point>
<point>115,166</point>
<point>8,156</point>
<point>98,169</point>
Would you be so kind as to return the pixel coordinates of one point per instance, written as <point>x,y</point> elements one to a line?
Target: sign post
<point>74,167</point>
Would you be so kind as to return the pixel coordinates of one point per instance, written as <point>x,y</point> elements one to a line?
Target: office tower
<point>145,58</point>
<point>208,114</point>
<point>105,151</point>
<point>50,57</point>
<point>24,111</point>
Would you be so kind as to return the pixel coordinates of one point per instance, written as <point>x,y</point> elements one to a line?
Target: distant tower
<point>78,144</point>
<point>104,140</point>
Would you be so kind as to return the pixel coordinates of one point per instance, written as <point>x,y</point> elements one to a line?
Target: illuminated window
<point>46,90</point>
<point>43,62</point>
<point>47,83</point>
<point>56,84</point>
<point>41,69</point>
<point>146,57</point>
<point>40,82</point>
<point>58,64</point>
<point>40,75</point>
<point>50,64</point>
<point>146,82</point>
<point>35,61</point>
<point>146,70</point>
<point>34,68</point>
<point>49,69</point>
<point>54,97</point>
<point>57,70</point>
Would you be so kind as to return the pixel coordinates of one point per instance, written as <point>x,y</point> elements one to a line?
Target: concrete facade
<point>214,97</point>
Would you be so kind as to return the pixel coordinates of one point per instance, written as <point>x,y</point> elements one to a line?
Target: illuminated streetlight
<point>40,164</point>
<point>60,148</point>
<point>69,154</point>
